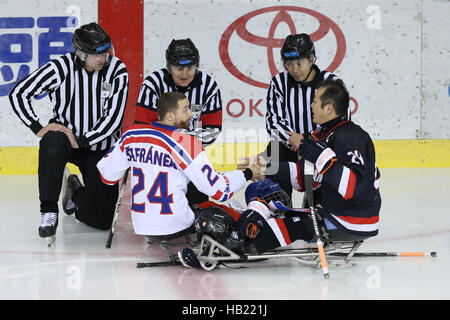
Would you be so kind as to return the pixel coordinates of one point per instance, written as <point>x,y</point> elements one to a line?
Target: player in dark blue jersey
<point>346,185</point>
<point>346,177</point>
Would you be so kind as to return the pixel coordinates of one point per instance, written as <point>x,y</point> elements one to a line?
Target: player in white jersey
<point>163,161</point>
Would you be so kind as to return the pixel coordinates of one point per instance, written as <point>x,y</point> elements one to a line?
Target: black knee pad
<point>53,143</point>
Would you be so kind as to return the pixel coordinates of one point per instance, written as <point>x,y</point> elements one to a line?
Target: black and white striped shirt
<point>289,104</point>
<point>91,104</point>
<point>203,93</point>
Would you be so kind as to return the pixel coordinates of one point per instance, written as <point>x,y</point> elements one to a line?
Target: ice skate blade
<point>50,240</point>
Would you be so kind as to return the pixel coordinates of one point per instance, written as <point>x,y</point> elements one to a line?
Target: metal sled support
<point>212,253</point>
<point>167,244</point>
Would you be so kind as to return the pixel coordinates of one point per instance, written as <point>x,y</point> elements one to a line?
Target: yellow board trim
<point>224,156</point>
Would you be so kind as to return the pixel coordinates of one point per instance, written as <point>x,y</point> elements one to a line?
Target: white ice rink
<point>414,217</point>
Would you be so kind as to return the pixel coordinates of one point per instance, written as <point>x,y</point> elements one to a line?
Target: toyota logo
<point>240,27</point>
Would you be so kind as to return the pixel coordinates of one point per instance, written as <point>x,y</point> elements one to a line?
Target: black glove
<point>311,149</point>
<point>318,153</point>
<point>249,224</point>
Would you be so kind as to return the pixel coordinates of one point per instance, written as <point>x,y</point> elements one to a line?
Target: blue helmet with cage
<point>267,190</point>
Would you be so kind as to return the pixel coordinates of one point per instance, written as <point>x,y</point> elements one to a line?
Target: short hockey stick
<point>309,170</point>
<point>116,212</point>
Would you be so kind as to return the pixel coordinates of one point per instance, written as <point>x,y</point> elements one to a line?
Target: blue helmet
<point>267,190</point>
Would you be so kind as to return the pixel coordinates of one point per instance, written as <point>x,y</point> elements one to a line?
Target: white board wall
<point>395,65</point>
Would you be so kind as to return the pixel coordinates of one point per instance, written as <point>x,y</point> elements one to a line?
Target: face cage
<point>111,54</point>
<point>279,196</point>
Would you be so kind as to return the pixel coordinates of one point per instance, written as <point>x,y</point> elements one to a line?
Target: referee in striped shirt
<point>88,91</point>
<point>289,98</point>
<point>182,74</point>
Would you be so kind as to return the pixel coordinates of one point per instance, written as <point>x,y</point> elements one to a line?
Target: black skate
<point>47,229</point>
<point>71,183</point>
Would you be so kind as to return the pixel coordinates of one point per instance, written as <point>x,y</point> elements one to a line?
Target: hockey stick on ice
<point>389,254</point>
<point>158,264</point>
<point>309,170</point>
<point>116,212</point>
<point>279,253</point>
<point>171,263</point>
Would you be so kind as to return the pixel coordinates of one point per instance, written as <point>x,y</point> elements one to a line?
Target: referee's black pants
<point>277,152</point>
<point>95,201</point>
<point>194,196</point>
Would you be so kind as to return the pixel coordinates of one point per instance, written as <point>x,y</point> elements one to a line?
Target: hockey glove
<point>250,222</point>
<point>318,153</point>
<point>188,258</point>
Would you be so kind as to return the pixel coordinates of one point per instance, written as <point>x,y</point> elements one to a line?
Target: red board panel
<point>124,22</point>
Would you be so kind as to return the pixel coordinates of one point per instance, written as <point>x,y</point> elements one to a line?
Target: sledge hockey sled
<point>338,253</point>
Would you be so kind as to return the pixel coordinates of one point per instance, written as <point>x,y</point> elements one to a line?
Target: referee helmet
<point>182,53</point>
<point>297,46</point>
<point>92,39</point>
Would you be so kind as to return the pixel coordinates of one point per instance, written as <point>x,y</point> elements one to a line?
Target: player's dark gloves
<point>188,258</point>
<point>249,224</point>
<point>318,153</point>
<point>311,149</point>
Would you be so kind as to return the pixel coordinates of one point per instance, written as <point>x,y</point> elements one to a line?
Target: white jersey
<point>162,162</point>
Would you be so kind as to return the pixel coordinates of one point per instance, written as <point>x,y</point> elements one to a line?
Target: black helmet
<point>297,46</point>
<point>182,53</point>
<point>91,38</point>
<point>215,222</point>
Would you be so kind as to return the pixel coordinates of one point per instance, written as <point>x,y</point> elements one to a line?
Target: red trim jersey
<point>203,93</point>
<point>348,190</point>
<point>162,162</point>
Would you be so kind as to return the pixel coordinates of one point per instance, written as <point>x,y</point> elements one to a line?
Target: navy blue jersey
<point>349,189</point>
